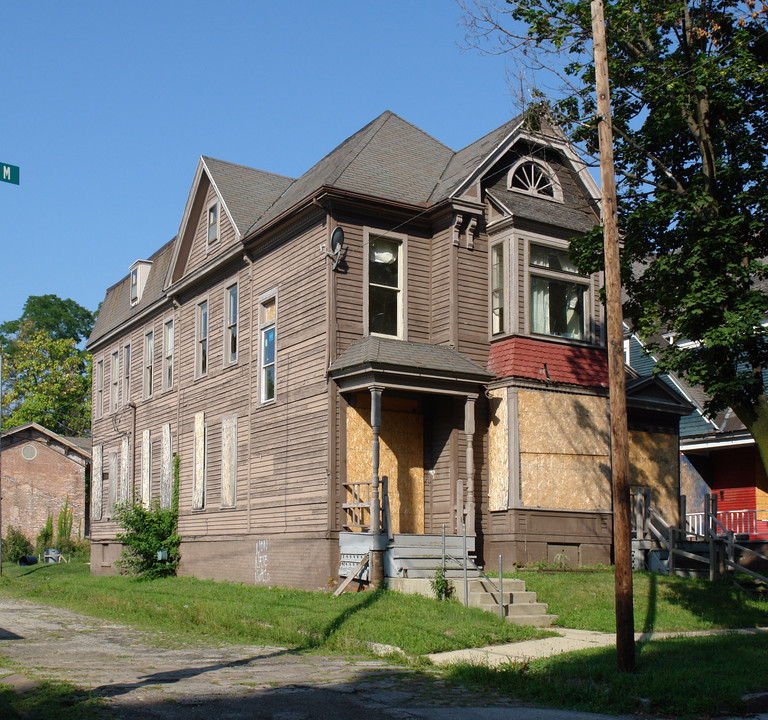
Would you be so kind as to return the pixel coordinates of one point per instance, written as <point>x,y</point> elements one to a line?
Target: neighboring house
<point>718,455</point>
<point>40,472</point>
<point>399,310</point>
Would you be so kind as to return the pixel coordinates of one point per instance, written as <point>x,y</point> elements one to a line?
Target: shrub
<point>64,541</point>
<point>16,545</point>
<point>441,586</point>
<point>45,538</point>
<point>147,531</point>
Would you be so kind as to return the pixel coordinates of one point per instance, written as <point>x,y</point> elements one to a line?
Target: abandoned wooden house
<point>400,312</point>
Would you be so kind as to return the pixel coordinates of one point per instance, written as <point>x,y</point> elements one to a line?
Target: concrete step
<point>525,609</point>
<point>482,600</point>
<point>429,573</point>
<point>533,620</point>
<point>510,585</point>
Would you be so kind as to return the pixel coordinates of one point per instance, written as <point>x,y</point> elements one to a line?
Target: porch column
<point>376,570</point>
<point>469,432</point>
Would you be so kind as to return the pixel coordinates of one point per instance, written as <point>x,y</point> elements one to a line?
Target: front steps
<point>520,605</point>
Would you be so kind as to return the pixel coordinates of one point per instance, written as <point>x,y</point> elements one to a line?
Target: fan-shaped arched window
<point>534,178</point>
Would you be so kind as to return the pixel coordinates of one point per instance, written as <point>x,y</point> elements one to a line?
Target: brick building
<point>40,470</point>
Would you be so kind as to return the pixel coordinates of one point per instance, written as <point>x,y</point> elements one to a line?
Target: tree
<point>50,384</point>
<point>689,84</point>
<point>46,378</point>
<point>62,319</point>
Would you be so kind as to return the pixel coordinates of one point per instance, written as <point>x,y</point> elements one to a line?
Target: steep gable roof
<point>79,446</point>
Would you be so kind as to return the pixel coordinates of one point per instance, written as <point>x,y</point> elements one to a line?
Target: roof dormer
<point>138,279</point>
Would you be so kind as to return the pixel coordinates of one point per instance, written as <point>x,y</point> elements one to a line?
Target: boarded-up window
<point>146,468</point>
<point>228,460</point>
<point>96,485</point>
<point>124,470</point>
<point>166,467</point>
<point>111,480</point>
<point>198,477</point>
<point>498,450</point>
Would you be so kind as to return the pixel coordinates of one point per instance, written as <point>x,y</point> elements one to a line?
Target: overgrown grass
<point>584,599</point>
<point>680,677</point>
<point>199,609</point>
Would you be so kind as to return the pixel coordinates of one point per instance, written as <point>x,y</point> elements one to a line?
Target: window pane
<point>268,347</point>
<point>382,306</point>
<point>383,266</point>
<point>543,256</point>
<point>269,382</point>
<point>557,308</point>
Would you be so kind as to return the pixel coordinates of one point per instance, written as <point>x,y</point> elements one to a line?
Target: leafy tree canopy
<point>62,319</point>
<point>689,92</point>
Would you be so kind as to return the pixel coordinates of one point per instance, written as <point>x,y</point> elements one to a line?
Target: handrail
<point>469,560</point>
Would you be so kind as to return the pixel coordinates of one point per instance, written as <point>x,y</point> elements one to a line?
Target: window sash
<point>213,223</point>
<point>202,338</point>
<point>99,388</point>
<point>385,287</point>
<point>114,385</point>
<point>127,374</point>
<point>497,289</point>
<point>149,353</point>
<point>168,341</point>
<point>231,337</point>
<point>558,307</point>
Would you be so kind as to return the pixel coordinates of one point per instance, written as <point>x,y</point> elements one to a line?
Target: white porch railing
<point>737,521</point>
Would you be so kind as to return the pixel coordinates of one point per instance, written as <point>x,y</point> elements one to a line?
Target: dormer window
<point>534,177</point>
<point>139,272</point>
<point>213,223</point>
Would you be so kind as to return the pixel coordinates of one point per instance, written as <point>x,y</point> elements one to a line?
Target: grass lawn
<point>681,677</point>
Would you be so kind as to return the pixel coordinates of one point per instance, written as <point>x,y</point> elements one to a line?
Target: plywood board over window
<point>96,484</point>
<point>198,478</point>
<point>228,460</point>
<point>498,455</point>
<point>166,467</point>
<point>146,468</point>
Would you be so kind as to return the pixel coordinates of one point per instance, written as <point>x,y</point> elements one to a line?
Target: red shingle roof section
<point>571,364</point>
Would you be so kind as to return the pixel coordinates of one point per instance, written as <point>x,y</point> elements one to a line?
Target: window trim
<point>215,206</point>
<point>202,344</point>
<point>264,299</point>
<point>505,327</point>
<point>587,281</point>
<point>371,233</point>
<point>99,388</point>
<point>127,358</point>
<point>168,358</point>
<point>114,382</point>
<point>148,365</point>
<point>134,286</point>
<point>229,324</point>
<point>546,168</point>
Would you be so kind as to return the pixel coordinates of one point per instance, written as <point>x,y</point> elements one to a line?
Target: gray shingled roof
<point>248,193</point>
<point>116,308</point>
<point>579,219</point>
<point>382,353</point>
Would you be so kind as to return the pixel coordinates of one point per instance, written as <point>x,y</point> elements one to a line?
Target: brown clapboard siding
<point>441,287</point>
<point>200,252</point>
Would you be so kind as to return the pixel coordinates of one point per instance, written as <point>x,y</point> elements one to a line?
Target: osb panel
<point>573,482</point>
<point>556,422</point>
<point>498,454</point>
<point>564,451</point>
<point>653,463</point>
<point>401,459</point>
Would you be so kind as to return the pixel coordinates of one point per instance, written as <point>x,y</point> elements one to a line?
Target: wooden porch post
<point>376,570</point>
<point>469,431</point>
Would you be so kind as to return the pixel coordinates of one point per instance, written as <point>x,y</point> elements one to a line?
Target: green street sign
<point>9,173</point>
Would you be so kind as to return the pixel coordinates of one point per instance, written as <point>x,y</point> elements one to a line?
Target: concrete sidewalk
<point>566,641</point>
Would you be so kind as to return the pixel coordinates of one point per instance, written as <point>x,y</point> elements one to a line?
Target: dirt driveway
<point>143,675</point>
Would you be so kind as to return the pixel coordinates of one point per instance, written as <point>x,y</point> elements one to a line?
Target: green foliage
<point>61,319</point>
<point>689,96</point>
<point>64,542</point>
<point>45,537</point>
<point>15,545</point>
<point>48,381</point>
<point>440,585</point>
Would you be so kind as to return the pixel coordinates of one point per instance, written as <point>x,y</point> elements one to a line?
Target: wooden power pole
<point>622,548</point>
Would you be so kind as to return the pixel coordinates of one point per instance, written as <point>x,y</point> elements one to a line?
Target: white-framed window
<point>268,335</point>
<point>99,401</point>
<point>384,274</point>
<point>213,223</point>
<point>114,382</point>
<point>534,177</point>
<point>558,294</point>
<point>168,354</point>
<point>497,289</point>
<point>201,348</point>
<point>127,373</point>
<point>230,331</point>
<point>149,359</point>
<point>134,286</point>
<point>200,467</point>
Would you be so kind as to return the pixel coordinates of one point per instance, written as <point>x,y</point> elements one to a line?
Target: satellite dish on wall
<point>337,245</point>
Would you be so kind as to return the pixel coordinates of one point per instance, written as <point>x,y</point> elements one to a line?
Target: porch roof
<point>394,363</point>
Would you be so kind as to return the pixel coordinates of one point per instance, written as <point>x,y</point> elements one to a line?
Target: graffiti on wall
<point>262,562</point>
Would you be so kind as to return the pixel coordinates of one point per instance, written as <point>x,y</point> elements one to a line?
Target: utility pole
<point>622,548</point>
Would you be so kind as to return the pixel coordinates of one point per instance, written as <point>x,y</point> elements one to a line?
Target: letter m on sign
<point>9,174</point>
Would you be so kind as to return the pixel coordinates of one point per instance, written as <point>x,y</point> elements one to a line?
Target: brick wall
<point>37,487</point>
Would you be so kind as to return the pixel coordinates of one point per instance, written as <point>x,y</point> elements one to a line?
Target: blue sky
<point>106,107</point>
